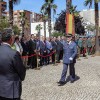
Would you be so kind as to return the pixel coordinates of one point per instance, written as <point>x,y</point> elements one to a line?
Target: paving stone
<point>41,84</point>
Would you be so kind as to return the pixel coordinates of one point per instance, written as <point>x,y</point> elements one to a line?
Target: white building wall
<point>34,31</point>
<point>89,15</point>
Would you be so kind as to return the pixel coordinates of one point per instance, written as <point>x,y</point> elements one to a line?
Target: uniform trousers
<point>2,98</point>
<point>71,72</point>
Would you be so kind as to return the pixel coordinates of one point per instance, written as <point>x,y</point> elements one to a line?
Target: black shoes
<point>57,61</point>
<point>72,81</point>
<point>61,83</point>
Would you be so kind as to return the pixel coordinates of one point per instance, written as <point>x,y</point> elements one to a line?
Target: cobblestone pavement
<point>41,84</point>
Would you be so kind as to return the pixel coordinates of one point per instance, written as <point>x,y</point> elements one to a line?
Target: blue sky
<point>35,5</point>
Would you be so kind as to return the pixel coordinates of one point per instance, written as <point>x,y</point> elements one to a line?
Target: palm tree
<point>3,23</point>
<point>38,28</point>
<point>48,6</point>
<point>68,5</point>
<point>22,18</point>
<point>44,17</point>
<point>24,22</point>
<point>96,7</point>
<point>11,3</point>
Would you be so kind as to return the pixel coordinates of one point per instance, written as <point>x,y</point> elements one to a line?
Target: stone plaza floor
<point>42,84</point>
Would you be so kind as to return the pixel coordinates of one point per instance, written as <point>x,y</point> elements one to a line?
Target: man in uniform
<point>69,59</point>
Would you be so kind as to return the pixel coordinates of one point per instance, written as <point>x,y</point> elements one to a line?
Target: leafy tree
<point>79,28</point>
<point>56,34</point>
<point>3,23</point>
<point>68,5</point>
<point>16,30</point>
<point>38,28</point>
<point>11,3</point>
<point>48,6</point>
<point>90,28</point>
<point>96,7</point>
<point>61,26</point>
<point>24,22</point>
<point>44,17</point>
<point>60,22</point>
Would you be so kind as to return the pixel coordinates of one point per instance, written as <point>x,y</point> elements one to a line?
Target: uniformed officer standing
<point>69,59</point>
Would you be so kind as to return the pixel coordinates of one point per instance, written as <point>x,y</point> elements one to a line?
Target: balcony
<point>4,7</point>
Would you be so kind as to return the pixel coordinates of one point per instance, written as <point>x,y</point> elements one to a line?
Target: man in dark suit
<point>32,61</point>
<point>43,51</point>
<point>12,70</point>
<point>69,59</point>
<point>59,49</point>
<point>54,49</point>
<point>25,49</point>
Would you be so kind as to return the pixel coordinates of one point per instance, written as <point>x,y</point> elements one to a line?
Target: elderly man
<point>69,59</point>
<point>42,48</point>
<point>32,61</point>
<point>12,70</point>
<point>59,49</point>
<point>54,49</point>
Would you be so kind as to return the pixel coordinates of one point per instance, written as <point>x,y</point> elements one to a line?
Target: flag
<point>70,28</point>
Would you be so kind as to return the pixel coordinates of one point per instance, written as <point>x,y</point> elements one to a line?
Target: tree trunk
<point>44,28</point>
<point>11,13</point>
<point>97,49</point>
<point>39,35</point>
<point>68,4</point>
<point>22,29</point>
<point>49,21</point>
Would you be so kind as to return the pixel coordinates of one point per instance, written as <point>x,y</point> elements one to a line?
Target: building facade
<point>18,20</point>
<point>35,17</point>
<point>89,16</point>
<point>3,7</point>
<point>34,31</point>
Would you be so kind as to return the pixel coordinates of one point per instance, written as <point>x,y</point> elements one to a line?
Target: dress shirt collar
<point>69,42</point>
<point>6,44</point>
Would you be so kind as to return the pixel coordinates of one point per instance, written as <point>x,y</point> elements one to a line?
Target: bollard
<point>78,56</point>
<point>38,68</point>
<point>55,64</point>
<point>93,55</point>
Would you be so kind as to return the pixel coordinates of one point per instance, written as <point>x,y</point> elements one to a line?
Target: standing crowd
<point>49,50</point>
<point>86,46</point>
<point>17,52</point>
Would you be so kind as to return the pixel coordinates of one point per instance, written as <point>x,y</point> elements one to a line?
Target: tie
<point>19,47</point>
